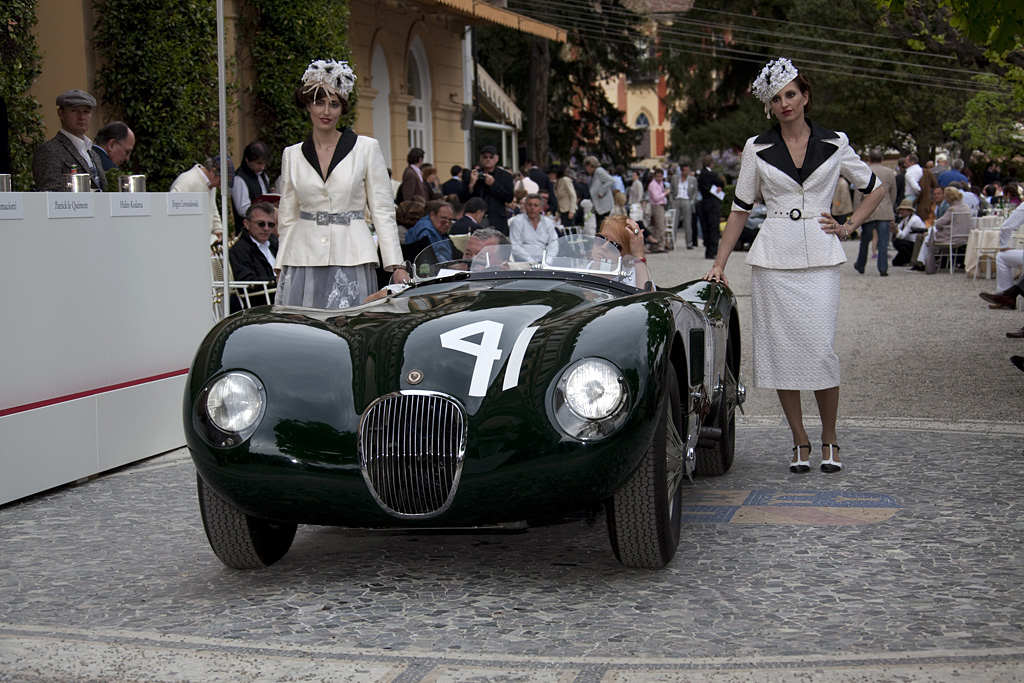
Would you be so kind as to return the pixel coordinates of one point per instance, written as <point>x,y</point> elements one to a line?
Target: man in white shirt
<point>205,177</point>
<point>531,232</point>
<point>70,147</point>
<point>912,179</point>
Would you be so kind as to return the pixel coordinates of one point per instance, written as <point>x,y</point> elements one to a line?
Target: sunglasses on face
<point>611,242</point>
<point>265,224</point>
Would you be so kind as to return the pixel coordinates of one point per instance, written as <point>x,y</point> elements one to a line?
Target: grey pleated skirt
<point>794,319</point>
<point>329,287</point>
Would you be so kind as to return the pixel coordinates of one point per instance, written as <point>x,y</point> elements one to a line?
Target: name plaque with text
<point>70,205</point>
<point>136,204</point>
<point>12,206</point>
<point>184,203</point>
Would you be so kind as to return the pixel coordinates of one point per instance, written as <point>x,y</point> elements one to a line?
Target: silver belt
<point>792,214</point>
<point>324,218</point>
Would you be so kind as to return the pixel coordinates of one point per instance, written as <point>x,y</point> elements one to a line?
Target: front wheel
<point>241,541</point>
<point>644,516</point>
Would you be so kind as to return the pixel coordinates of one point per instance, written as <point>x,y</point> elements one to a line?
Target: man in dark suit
<point>709,182</point>
<point>114,144</point>
<point>454,184</point>
<point>254,255</point>
<point>538,176</point>
<point>473,212</point>
<point>494,185</point>
<point>70,146</point>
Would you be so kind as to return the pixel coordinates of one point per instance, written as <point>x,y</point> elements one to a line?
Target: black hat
<point>488,149</point>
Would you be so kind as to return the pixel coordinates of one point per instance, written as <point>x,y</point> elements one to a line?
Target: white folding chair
<point>670,228</point>
<point>959,231</point>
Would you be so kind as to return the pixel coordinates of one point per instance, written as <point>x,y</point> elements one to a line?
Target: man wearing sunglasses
<point>254,254</point>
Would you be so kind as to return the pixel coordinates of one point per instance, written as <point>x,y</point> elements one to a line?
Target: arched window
<point>418,87</point>
<point>643,150</point>
<point>381,103</point>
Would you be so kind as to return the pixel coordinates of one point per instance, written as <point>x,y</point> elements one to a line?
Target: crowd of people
<point>335,225</point>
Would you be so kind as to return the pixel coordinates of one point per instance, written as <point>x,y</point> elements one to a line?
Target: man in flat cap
<point>70,146</point>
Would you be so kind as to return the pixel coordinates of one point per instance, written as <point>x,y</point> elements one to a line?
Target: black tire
<point>240,540</point>
<point>716,459</point>
<point>644,516</point>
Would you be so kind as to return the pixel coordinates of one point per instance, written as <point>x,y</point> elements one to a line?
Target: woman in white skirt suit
<point>797,254</point>
<point>327,253</point>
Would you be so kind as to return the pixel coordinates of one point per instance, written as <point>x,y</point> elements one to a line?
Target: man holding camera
<point>493,184</point>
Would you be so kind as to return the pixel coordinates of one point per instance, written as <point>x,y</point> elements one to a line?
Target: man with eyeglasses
<point>114,144</point>
<point>432,229</point>
<point>254,254</point>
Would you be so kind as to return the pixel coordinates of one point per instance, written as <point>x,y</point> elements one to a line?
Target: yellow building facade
<point>412,61</point>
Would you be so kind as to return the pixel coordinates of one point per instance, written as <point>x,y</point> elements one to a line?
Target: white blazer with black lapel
<point>791,236</point>
<point>357,180</point>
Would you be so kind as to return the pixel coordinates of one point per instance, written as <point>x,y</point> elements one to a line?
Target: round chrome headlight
<point>590,399</point>
<point>593,389</point>
<point>234,402</point>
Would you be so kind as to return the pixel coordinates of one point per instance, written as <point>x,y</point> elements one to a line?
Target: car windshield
<point>580,254</point>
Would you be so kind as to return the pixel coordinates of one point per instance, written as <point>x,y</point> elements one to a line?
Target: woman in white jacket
<point>794,282</point>
<point>327,254</point>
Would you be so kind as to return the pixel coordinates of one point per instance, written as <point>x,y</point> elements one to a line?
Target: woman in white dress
<point>797,254</point>
<point>327,254</point>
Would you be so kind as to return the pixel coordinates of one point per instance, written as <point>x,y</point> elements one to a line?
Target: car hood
<point>468,339</point>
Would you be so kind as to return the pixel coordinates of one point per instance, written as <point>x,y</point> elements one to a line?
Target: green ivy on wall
<point>280,38</point>
<point>20,65</point>
<point>159,75</point>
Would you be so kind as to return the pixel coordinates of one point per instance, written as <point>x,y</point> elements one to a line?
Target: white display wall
<point>107,298</point>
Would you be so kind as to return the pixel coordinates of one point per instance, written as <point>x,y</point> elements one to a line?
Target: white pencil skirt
<point>794,318</point>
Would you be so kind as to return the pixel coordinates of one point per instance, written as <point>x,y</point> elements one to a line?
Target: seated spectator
<point>1011,195</point>
<point>254,181</point>
<point>909,230</point>
<point>70,147</point>
<point>254,255</point>
<point>1006,260</point>
<point>531,232</point>
<point>205,177</point>
<point>431,229</point>
<point>626,236</point>
<point>430,180</point>
<point>942,228</point>
<point>114,144</point>
<point>484,237</point>
<point>939,206</point>
<point>970,199</point>
<point>473,212</point>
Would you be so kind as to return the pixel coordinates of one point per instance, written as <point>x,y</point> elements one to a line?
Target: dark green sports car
<point>490,392</point>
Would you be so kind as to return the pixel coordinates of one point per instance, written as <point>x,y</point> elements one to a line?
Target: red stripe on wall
<point>90,392</point>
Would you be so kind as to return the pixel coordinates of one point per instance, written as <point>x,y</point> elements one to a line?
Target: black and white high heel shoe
<point>830,464</point>
<point>799,466</point>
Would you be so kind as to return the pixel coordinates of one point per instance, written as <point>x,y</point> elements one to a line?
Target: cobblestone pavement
<point>904,567</point>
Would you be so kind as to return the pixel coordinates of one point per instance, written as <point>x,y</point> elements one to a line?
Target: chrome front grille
<point>411,446</point>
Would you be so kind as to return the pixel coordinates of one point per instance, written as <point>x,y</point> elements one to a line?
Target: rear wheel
<point>644,516</point>
<point>241,541</point>
<point>716,458</point>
